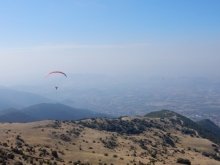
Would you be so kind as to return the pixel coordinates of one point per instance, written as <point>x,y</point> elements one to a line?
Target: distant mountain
<point>14,115</point>
<point>47,111</point>
<point>16,99</point>
<point>7,103</point>
<point>209,125</point>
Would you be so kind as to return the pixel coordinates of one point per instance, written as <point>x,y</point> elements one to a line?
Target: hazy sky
<point>143,37</point>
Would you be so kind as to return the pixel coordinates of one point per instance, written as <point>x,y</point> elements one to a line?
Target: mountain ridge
<point>47,111</point>
<point>17,99</point>
<point>185,122</point>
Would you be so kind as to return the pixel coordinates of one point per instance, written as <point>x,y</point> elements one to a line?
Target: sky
<point>139,37</point>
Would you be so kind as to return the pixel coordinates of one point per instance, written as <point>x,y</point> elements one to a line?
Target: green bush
<point>205,154</point>
<point>11,156</point>
<point>54,154</point>
<point>183,161</point>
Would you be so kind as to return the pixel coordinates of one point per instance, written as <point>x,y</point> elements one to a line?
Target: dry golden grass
<point>88,146</point>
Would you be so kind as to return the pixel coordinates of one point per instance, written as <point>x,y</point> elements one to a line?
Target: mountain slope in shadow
<point>47,111</point>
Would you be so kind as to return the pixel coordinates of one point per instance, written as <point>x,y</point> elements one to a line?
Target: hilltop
<point>125,140</point>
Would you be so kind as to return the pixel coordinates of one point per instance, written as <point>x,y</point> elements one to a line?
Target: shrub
<point>5,144</point>
<point>183,161</point>
<point>11,156</point>
<point>17,151</point>
<point>54,154</point>
<point>205,154</point>
<point>18,163</point>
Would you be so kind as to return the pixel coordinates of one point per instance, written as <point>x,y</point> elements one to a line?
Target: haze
<point>144,38</point>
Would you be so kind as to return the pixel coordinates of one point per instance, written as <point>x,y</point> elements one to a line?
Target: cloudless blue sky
<point>155,37</point>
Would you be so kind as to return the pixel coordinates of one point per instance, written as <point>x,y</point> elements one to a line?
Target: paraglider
<point>56,72</point>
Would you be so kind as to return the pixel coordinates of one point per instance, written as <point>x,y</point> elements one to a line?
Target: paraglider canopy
<point>59,72</point>
<point>55,72</point>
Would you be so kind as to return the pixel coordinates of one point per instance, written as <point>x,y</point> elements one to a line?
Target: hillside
<point>47,111</point>
<point>210,126</point>
<point>124,140</point>
<point>185,122</point>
